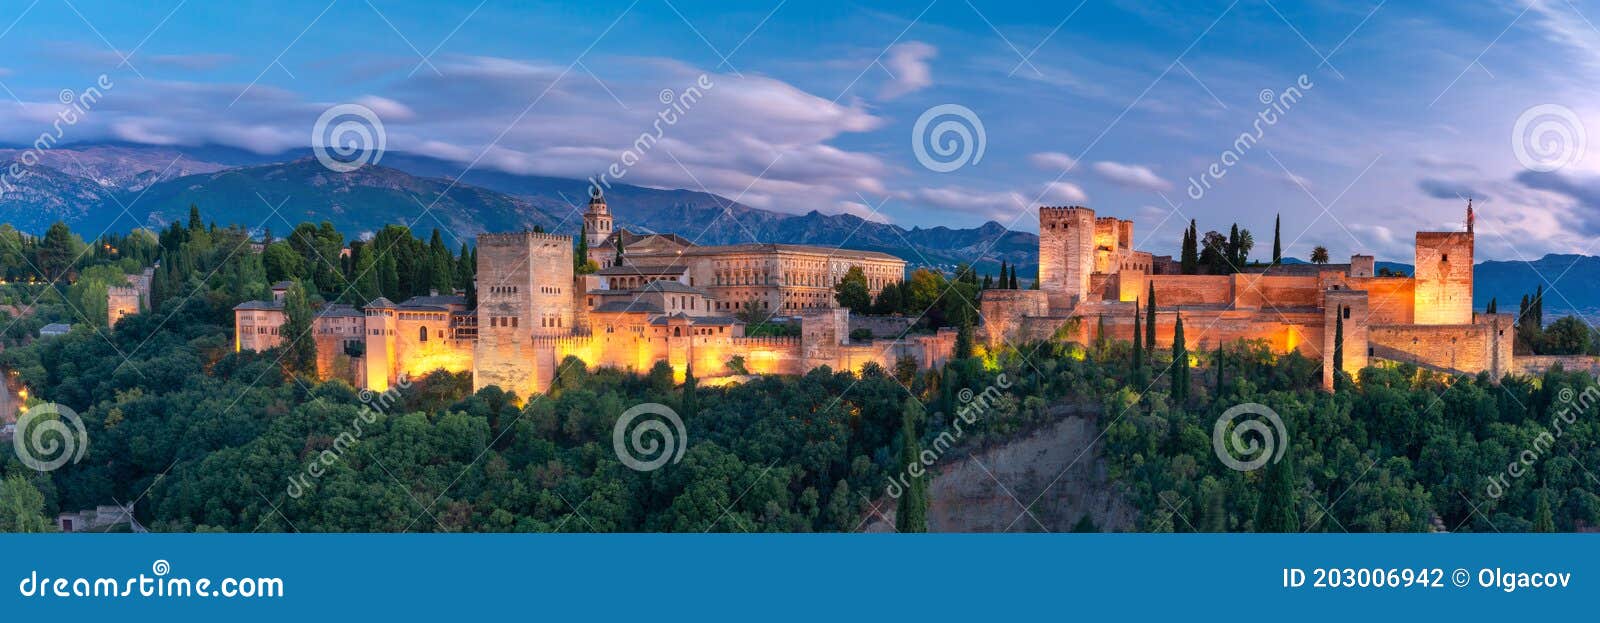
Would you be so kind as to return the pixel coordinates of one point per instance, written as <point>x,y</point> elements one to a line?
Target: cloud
<point>1449,189</point>
<point>1132,176</point>
<point>908,64</point>
<point>1052,161</point>
<point>1063,193</point>
<point>1583,193</point>
<point>996,206</point>
<point>762,140</point>
<point>860,210</point>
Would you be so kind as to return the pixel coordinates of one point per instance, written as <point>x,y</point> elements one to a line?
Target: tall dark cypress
<point>1014,278</point>
<point>1277,248</point>
<point>1138,349</point>
<point>1150,325</point>
<point>1180,365</point>
<point>1338,343</point>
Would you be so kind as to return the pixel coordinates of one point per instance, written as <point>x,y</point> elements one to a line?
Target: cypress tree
<point>1491,308</point>
<point>1003,274</point>
<point>1150,325</point>
<point>1180,365</point>
<point>1277,510</point>
<point>911,513</point>
<point>1277,248</point>
<point>1138,348</point>
<point>964,339</point>
<point>1338,343</point>
<point>1191,251</point>
<point>1543,519</point>
<point>1220,365</point>
<point>1014,278</point>
<point>580,257</point>
<point>690,402</point>
<point>301,357</point>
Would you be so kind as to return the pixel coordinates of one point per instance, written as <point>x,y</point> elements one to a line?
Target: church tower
<point>597,220</point>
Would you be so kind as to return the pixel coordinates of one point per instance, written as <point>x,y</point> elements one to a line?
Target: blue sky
<point>1113,104</point>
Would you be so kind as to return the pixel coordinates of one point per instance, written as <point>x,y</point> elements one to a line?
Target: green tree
<point>282,262</point>
<point>911,512</point>
<point>1150,325</point>
<point>1180,365</point>
<point>580,257</point>
<point>1338,343</point>
<point>1278,509</point>
<point>1138,349</point>
<point>1190,258</point>
<point>852,291</point>
<point>295,332</point>
<point>888,300</point>
<point>1277,247</point>
<point>1543,519</point>
<point>22,507</point>
<point>1319,255</point>
<point>964,344</point>
<point>57,251</point>
<point>1013,284</point>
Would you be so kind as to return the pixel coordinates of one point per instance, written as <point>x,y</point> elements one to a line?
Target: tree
<point>1138,348</point>
<point>580,257</point>
<point>852,291</point>
<point>1277,247</point>
<point>689,403</point>
<point>1277,510</point>
<point>1338,343</point>
<point>1319,255</point>
<point>1214,254</point>
<point>1150,325</point>
<point>1567,336</point>
<point>1013,284</point>
<point>1491,309</point>
<point>22,507</point>
<point>888,300</point>
<point>1190,259</point>
<point>911,512</point>
<point>282,262</point>
<point>301,357</point>
<point>964,340</point>
<point>1003,275</point>
<point>1180,365</point>
<point>1220,365</point>
<point>57,251</point>
<point>1543,519</point>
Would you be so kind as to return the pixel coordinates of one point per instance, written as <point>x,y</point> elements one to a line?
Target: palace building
<point>654,298</point>
<point>1089,272</point>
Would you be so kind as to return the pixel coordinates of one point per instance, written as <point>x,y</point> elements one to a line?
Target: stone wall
<point>1451,349</point>
<point>1066,254</point>
<point>121,301</point>
<point>1004,311</point>
<point>886,326</point>
<point>1535,365</point>
<point>1186,290</point>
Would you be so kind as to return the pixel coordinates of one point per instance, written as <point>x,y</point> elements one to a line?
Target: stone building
<point>128,299</point>
<point>1089,272</point>
<point>667,300</point>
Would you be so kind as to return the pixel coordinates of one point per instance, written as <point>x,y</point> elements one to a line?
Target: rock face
<point>988,490</point>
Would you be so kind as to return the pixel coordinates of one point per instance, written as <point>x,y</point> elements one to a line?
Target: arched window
<point>422,334</point>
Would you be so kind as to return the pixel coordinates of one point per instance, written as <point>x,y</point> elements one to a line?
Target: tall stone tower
<point>1444,278</point>
<point>597,219</point>
<point>1066,254</point>
<point>525,283</point>
<point>378,358</point>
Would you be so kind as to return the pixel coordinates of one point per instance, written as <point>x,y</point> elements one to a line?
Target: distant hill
<point>88,185</point>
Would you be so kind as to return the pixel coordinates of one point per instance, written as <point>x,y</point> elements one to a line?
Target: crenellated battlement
<point>765,340</point>
<point>522,237</point>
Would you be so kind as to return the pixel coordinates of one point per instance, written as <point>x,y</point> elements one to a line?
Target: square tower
<point>1066,254</point>
<point>525,283</point>
<point>1443,278</point>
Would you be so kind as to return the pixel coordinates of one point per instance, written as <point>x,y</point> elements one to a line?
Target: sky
<point>1366,119</point>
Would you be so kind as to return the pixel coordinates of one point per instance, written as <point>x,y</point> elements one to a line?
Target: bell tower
<point>597,220</point>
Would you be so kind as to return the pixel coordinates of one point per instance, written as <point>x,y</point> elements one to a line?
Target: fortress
<point>649,298</point>
<point>652,298</point>
<point>1090,273</point>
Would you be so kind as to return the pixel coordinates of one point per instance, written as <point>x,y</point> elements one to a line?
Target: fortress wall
<point>1066,254</point>
<point>121,301</point>
<point>1256,290</point>
<point>1175,290</point>
<point>1444,348</point>
<point>1534,365</point>
<point>1390,300</point>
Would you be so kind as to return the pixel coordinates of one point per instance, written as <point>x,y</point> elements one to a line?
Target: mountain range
<point>120,186</point>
